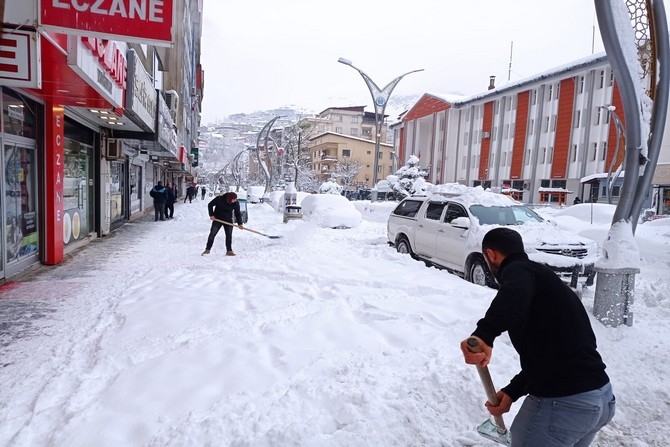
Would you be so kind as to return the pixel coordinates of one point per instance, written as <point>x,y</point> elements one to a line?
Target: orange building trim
<point>520,128</point>
<point>487,126</point>
<point>566,99</point>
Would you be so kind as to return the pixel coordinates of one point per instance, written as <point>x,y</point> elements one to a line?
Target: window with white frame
<point>495,132</point>
<point>578,118</point>
<point>511,130</point>
<point>601,83</point>
<point>574,152</point>
<point>549,91</point>
<point>581,84</point>
<point>603,144</point>
<point>534,97</point>
<point>551,155</point>
<point>354,131</point>
<point>595,151</point>
<point>346,152</point>
<point>464,161</point>
<point>597,113</point>
<point>531,126</point>
<point>510,99</point>
<point>554,120</point>
<point>543,160</point>
<point>557,90</point>
<point>465,138</point>
<point>527,156</point>
<point>611,79</point>
<point>546,124</point>
<point>354,120</point>
<point>506,131</point>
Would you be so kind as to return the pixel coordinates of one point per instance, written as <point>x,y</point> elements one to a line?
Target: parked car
<point>330,211</point>
<point>447,231</point>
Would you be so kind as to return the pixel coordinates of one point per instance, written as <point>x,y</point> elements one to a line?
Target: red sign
<point>138,21</point>
<point>54,164</point>
<point>110,57</point>
<point>18,59</point>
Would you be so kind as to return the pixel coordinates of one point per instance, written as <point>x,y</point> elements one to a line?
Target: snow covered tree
<point>330,187</point>
<point>346,171</point>
<point>409,179</point>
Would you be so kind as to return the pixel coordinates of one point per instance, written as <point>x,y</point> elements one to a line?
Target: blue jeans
<point>570,421</point>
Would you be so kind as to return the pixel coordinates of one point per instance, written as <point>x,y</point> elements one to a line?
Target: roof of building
<point>349,137</point>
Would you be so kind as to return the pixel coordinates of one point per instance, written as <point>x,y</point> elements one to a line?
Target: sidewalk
<point>40,291</point>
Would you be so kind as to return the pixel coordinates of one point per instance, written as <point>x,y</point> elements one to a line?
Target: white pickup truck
<point>446,231</point>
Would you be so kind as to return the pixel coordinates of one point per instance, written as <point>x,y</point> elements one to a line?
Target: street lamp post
<point>380,99</point>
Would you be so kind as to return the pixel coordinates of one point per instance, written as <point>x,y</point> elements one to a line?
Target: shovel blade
<point>489,430</point>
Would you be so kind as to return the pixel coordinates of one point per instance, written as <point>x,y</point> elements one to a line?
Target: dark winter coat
<point>170,196</point>
<point>548,327</point>
<point>158,193</point>
<point>222,210</point>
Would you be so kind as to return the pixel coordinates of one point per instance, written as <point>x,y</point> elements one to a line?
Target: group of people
<point>192,193</point>
<point>164,199</point>
<point>569,395</point>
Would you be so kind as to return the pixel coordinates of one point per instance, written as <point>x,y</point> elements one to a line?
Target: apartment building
<point>347,130</point>
<point>542,139</point>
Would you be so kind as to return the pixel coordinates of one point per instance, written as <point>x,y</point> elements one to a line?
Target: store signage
<point>20,59</point>
<point>137,21</point>
<point>166,135</point>
<point>102,64</point>
<point>140,94</point>
<point>55,168</point>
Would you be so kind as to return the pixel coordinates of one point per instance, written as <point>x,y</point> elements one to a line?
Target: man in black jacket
<point>158,193</point>
<point>570,396</point>
<point>222,208</point>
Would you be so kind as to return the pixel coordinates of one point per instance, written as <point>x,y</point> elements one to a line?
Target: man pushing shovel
<point>221,210</point>
<point>569,394</point>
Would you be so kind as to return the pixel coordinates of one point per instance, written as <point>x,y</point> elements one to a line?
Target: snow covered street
<point>325,337</point>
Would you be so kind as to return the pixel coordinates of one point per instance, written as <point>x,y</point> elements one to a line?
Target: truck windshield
<point>504,215</point>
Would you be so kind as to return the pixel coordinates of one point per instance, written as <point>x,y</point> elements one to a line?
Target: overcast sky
<point>263,54</point>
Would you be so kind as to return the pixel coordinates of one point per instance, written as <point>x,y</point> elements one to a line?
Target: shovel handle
<point>485,377</point>
<point>245,228</point>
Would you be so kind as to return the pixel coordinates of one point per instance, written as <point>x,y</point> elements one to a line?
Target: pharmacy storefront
<point>19,194</point>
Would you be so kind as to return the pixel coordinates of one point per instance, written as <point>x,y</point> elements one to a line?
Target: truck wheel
<point>403,246</point>
<point>479,274</point>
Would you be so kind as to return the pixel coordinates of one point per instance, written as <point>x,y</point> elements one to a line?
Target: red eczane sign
<point>137,21</point>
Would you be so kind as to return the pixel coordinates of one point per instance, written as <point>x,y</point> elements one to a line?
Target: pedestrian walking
<point>203,190</point>
<point>222,208</point>
<point>569,394</point>
<point>159,195</point>
<point>190,192</point>
<point>170,199</point>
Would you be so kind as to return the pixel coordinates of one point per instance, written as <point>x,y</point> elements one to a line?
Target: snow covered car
<point>446,230</point>
<point>330,211</point>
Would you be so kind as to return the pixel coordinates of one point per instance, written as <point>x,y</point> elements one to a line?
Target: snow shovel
<point>249,229</point>
<point>495,431</point>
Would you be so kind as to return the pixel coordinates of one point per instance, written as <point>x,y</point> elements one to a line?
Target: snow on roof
<point>588,178</point>
<point>587,61</point>
<point>449,97</point>
<point>350,137</point>
<point>554,190</point>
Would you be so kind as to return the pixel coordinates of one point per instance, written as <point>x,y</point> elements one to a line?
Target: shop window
<point>18,118</point>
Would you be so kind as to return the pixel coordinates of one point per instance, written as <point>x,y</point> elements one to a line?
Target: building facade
<point>90,123</point>
<point>536,138</point>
